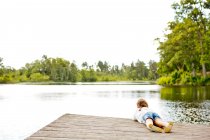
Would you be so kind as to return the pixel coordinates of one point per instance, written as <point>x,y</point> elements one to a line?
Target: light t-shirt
<point>140,113</point>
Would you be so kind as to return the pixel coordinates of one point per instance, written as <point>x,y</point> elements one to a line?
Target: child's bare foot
<point>155,128</point>
<point>168,128</point>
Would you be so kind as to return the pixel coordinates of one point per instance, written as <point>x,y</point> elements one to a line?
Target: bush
<point>201,81</point>
<point>186,79</point>
<point>23,78</point>
<point>88,76</point>
<point>165,80</point>
<point>175,75</point>
<point>183,78</point>
<point>1,79</point>
<point>7,79</point>
<point>38,77</point>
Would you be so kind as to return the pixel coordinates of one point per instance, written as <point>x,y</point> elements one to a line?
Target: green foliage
<point>103,66</point>
<point>38,77</point>
<point>108,78</point>
<point>186,79</point>
<point>8,78</point>
<point>185,93</point>
<point>23,78</point>
<point>136,71</point>
<point>1,79</point>
<point>165,80</point>
<point>61,70</point>
<point>202,81</point>
<point>57,69</point>
<point>153,67</point>
<point>1,63</point>
<point>183,78</point>
<point>184,52</point>
<point>88,75</point>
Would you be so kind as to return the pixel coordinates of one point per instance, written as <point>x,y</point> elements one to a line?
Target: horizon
<point>80,65</point>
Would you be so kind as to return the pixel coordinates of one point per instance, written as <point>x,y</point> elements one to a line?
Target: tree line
<point>184,56</point>
<point>185,49</point>
<point>60,70</point>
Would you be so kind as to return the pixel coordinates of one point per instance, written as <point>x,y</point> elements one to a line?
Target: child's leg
<point>158,122</point>
<point>166,125</point>
<point>149,124</point>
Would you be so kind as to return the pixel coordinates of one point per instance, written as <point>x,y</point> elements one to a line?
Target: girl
<point>151,119</point>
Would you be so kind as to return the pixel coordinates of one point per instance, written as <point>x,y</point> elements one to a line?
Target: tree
<point>115,70</point>
<point>85,65</point>
<point>198,11</point>
<point>103,66</point>
<point>141,70</point>
<point>57,69</point>
<point>1,66</point>
<point>178,51</point>
<point>38,77</point>
<point>152,75</point>
<point>184,52</point>
<point>1,63</point>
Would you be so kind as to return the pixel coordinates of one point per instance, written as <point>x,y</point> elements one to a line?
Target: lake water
<point>27,108</point>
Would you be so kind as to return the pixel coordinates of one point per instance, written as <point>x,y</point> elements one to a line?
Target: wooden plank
<point>76,127</point>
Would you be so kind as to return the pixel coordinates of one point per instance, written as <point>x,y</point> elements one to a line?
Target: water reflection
<point>193,112</point>
<point>186,94</point>
<point>94,83</point>
<point>187,104</point>
<point>125,94</point>
<point>22,105</point>
<point>52,96</point>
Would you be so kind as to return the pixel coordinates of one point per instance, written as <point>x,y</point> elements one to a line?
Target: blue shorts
<point>150,115</point>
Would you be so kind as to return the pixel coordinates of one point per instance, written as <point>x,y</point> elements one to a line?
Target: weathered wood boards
<point>75,127</point>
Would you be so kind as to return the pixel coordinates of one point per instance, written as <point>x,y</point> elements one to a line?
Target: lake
<point>27,108</point>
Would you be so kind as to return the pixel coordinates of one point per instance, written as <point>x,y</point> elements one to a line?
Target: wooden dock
<point>78,127</point>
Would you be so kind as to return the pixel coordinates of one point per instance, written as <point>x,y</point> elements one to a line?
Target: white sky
<point>82,30</point>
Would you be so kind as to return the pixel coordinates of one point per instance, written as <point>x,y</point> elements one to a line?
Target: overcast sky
<point>82,30</point>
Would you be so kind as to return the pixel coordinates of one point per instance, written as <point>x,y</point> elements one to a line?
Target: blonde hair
<point>141,103</point>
